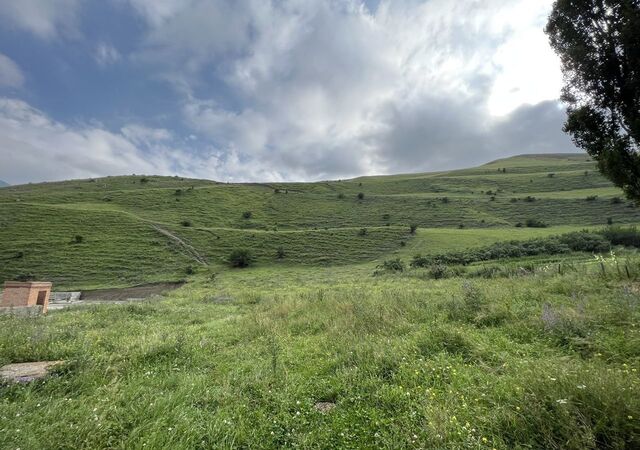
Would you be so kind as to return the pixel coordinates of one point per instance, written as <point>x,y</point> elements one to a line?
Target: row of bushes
<point>582,241</point>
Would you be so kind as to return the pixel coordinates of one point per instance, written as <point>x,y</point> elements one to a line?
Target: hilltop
<point>132,229</point>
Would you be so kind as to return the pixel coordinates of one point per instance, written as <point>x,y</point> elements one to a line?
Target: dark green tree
<point>598,42</point>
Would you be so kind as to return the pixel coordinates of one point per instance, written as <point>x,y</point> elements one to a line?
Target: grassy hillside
<point>516,345</point>
<point>537,361</point>
<point>134,229</point>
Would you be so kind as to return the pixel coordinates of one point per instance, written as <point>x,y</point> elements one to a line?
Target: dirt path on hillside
<point>191,251</point>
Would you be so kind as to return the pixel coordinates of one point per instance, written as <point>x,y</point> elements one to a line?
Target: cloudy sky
<point>240,90</point>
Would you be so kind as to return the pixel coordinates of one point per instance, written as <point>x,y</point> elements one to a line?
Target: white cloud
<point>10,74</point>
<point>35,147</point>
<point>326,88</point>
<point>106,54</point>
<point>44,18</point>
<point>301,89</point>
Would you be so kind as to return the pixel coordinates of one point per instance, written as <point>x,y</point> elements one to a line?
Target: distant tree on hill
<point>598,42</point>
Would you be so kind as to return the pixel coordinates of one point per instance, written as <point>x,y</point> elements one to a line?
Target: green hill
<point>503,345</point>
<point>134,229</point>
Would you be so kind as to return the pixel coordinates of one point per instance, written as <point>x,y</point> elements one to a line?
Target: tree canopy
<point>598,42</point>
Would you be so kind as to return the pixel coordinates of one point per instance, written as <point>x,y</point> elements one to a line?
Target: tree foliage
<point>598,42</point>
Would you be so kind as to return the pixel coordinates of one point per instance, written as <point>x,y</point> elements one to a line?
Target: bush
<point>438,271</point>
<point>178,192</point>
<point>444,199</point>
<point>77,239</point>
<point>535,223</point>
<point>240,258</point>
<point>190,270</point>
<point>340,196</point>
<point>280,254</point>
<point>360,196</point>
<point>144,180</point>
<point>362,232</point>
<point>391,265</point>
<point>591,198</point>
<point>629,237</point>
<point>185,223</point>
<point>413,228</point>
<point>247,215</point>
<point>529,199</point>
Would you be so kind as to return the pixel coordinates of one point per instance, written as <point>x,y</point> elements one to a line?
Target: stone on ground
<point>26,372</point>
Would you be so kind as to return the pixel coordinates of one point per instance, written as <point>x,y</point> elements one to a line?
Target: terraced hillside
<point>125,230</point>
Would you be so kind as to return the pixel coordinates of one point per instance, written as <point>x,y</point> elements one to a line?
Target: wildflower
<point>485,440</point>
<point>630,417</point>
<point>581,386</point>
<point>561,401</point>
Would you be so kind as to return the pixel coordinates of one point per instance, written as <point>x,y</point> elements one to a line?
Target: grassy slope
<point>118,218</point>
<point>240,362</point>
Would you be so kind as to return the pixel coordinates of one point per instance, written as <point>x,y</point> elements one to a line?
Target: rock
<point>26,372</point>
<point>324,407</point>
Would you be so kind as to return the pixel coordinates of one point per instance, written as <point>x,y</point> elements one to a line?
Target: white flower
<point>562,401</point>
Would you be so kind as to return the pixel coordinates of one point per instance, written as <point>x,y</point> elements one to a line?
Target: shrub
<point>77,239</point>
<point>461,226</point>
<point>591,198</point>
<point>386,216</point>
<point>585,242</point>
<point>178,192</point>
<point>551,175</point>
<point>412,228</point>
<point>240,258</point>
<point>438,271</point>
<point>529,199</point>
<point>190,270</point>
<point>535,223</point>
<point>403,244</point>
<point>391,265</point>
<point>609,220</point>
<point>144,180</point>
<point>629,237</point>
<point>444,199</point>
<point>247,215</point>
<point>519,225</point>
<point>340,195</point>
<point>185,223</point>
<point>616,200</point>
<point>360,196</point>
<point>280,254</point>
<point>362,232</point>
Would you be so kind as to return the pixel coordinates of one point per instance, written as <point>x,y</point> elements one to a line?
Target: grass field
<point>539,351</point>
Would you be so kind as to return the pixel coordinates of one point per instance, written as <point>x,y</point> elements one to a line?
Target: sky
<point>273,90</point>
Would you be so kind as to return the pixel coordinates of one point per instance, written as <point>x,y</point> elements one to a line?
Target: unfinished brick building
<point>26,294</point>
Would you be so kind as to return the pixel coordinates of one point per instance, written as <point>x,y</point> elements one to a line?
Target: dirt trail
<point>190,250</point>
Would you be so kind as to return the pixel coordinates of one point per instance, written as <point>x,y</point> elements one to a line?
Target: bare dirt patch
<point>26,372</point>
<point>135,292</point>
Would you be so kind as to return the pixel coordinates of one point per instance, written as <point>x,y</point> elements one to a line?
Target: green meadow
<point>489,307</point>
